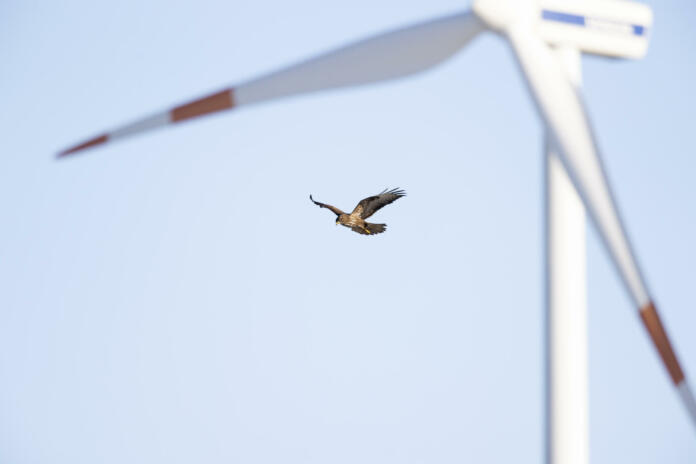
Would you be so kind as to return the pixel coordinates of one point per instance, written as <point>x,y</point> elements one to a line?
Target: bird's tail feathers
<point>375,228</point>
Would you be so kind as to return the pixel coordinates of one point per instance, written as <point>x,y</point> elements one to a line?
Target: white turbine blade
<point>565,116</point>
<point>387,56</point>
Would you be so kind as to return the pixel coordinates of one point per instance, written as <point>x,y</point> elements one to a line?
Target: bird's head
<point>337,222</point>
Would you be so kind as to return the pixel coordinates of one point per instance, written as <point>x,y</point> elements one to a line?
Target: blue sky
<point>177,298</point>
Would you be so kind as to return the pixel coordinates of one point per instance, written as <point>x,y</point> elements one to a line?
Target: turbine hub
<point>502,15</point>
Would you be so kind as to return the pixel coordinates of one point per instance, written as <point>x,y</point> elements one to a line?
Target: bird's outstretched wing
<point>335,210</point>
<point>370,205</point>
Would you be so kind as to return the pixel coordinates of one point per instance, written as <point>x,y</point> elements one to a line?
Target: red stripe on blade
<point>657,332</point>
<point>89,143</point>
<point>216,102</point>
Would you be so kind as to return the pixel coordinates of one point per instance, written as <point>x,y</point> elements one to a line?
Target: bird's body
<point>364,209</point>
<point>359,225</point>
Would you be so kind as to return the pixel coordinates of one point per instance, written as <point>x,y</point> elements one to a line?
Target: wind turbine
<point>546,37</point>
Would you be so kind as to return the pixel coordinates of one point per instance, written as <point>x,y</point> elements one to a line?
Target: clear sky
<point>176,297</point>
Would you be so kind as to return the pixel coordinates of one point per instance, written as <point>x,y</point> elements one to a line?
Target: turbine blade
<point>564,114</point>
<point>387,56</point>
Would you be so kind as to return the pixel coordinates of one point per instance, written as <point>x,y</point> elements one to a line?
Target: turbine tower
<point>546,37</point>
<point>567,383</point>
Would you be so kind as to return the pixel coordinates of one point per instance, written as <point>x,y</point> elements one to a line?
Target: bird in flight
<point>366,208</point>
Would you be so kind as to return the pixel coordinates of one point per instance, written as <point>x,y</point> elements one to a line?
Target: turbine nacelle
<point>613,28</point>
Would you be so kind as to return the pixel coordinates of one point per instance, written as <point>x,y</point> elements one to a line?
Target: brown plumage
<point>366,208</point>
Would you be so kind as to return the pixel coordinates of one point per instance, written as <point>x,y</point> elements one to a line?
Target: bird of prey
<point>366,208</point>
